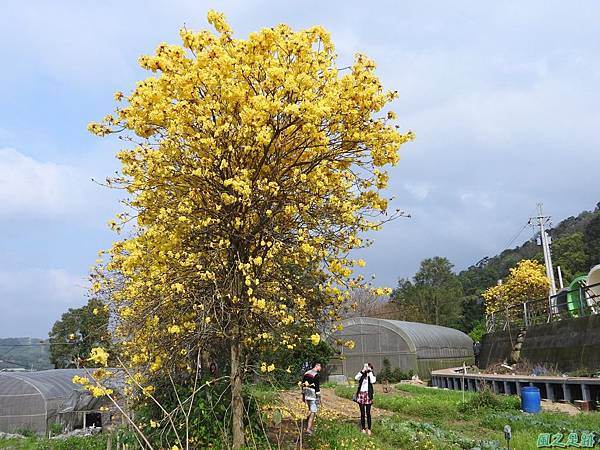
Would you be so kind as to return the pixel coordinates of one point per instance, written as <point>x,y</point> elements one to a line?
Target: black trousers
<point>365,410</point>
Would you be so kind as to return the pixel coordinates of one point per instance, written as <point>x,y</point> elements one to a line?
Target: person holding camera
<point>364,396</point>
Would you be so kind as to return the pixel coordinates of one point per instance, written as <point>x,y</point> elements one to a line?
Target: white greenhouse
<point>33,401</point>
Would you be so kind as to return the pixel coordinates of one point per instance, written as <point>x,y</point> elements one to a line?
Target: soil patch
<point>331,404</point>
<point>560,407</point>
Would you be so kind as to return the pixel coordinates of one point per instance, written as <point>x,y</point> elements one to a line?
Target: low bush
<point>486,399</point>
<point>411,434</point>
<point>393,375</point>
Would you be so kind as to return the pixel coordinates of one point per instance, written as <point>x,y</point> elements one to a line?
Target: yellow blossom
<point>315,339</point>
<point>99,356</point>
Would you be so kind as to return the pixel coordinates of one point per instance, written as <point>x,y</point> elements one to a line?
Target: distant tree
<point>433,296</point>
<point>591,235</point>
<point>75,334</point>
<point>363,303</point>
<point>478,277</point>
<point>568,252</point>
<point>472,312</point>
<point>411,301</point>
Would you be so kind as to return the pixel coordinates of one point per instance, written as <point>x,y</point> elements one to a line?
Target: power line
<point>506,247</point>
<point>516,236</point>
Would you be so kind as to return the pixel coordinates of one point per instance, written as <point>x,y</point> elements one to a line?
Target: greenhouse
<point>33,401</point>
<point>406,345</point>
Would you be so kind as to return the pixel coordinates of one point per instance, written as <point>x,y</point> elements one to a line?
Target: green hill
<point>27,353</point>
<point>575,248</point>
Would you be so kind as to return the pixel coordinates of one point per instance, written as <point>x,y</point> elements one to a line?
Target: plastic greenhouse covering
<point>409,346</point>
<point>33,401</point>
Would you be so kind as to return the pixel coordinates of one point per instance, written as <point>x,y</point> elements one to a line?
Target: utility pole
<point>545,238</point>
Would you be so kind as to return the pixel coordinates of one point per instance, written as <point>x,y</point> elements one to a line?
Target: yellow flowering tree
<point>254,165</point>
<point>527,281</point>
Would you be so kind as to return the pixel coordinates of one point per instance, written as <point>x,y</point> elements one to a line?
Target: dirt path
<point>332,405</point>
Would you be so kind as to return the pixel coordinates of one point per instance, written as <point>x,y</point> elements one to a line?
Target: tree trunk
<point>237,402</point>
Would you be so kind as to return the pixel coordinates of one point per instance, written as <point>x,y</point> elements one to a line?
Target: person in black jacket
<point>311,394</point>
<point>364,396</point>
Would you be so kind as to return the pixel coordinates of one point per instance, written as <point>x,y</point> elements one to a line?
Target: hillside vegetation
<point>438,295</point>
<point>27,353</point>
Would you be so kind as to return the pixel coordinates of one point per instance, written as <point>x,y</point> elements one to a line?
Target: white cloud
<point>33,299</point>
<point>479,198</point>
<point>56,286</point>
<point>33,188</point>
<point>418,190</point>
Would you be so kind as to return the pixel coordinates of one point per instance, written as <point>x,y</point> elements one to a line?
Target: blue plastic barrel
<point>531,399</point>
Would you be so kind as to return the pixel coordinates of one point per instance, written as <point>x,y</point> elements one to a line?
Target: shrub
<point>386,372</point>
<point>56,428</point>
<point>210,414</point>
<point>393,375</point>
<point>478,331</point>
<point>486,399</point>
<point>26,432</point>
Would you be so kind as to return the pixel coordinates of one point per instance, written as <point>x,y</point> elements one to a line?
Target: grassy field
<point>97,442</point>
<point>438,419</point>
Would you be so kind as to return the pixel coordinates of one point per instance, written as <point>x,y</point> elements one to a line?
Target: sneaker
<point>369,432</point>
<point>363,431</point>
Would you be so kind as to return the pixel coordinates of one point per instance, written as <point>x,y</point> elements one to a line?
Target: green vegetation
<point>433,295</point>
<point>393,375</point>
<point>391,433</point>
<point>444,421</point>
<point>437,295</point>
<point>97,442</point>
<point>422,419</point>
<point>77,332</point>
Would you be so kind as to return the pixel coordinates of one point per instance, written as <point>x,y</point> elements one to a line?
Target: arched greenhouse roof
<point>420,337</point>
<point>50,384</point>
<point>33,400</point>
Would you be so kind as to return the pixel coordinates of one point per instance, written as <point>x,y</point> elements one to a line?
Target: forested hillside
<point>438,295</point>
<point>575,248</point>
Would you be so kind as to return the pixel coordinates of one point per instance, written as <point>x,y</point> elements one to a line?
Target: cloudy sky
<point>503,97</point>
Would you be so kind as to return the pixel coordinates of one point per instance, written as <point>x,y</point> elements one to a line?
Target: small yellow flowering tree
<point>254,166</point>
<point>527,281</point>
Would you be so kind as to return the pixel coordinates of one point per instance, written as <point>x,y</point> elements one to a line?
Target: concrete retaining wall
<point>569,344</point>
